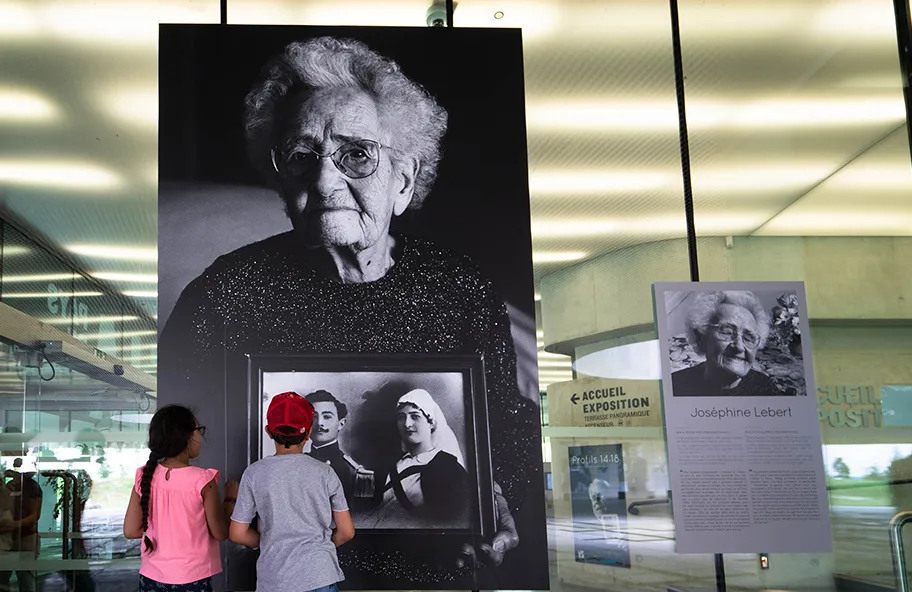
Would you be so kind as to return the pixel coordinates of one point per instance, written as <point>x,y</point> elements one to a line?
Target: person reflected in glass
<point>729,328</point>
<point>428,487</point>
<point>350,142</point>
<point>26,496</point>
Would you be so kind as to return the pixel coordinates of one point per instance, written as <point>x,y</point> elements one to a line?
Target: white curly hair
<point>704,310</point>
<point>329,62</point>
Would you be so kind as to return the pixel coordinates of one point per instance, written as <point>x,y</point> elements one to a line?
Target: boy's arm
<point>344,530</point>
<point>239,530</point>
<point>241,534</point>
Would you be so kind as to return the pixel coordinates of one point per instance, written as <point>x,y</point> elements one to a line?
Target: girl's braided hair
<point>170,431</point>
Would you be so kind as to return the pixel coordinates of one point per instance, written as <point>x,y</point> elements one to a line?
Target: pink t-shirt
<point>184,549</point>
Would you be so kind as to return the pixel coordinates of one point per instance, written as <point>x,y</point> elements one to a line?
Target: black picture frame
<point>477,439</point>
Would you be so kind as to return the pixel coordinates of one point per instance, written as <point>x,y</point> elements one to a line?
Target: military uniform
<point>357,482</point>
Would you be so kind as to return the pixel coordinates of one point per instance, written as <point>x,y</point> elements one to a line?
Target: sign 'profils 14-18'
<point>611,404</point>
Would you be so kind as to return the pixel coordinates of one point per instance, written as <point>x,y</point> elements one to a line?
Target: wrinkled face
<point>326,423</point>
<point>328,208</point>
<point>725,345</point>
<point>414,427</point>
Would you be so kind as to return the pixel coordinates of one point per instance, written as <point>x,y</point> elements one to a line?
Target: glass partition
<point>805,175</point>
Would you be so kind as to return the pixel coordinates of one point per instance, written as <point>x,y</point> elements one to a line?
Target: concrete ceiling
<point>795,113</point>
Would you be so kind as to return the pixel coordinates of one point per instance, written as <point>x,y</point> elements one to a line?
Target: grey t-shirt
<point>294,496</point>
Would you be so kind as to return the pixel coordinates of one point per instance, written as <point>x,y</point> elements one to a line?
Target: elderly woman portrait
<point>729,329</point>
<point>428,487</point>
<point>350,142</point>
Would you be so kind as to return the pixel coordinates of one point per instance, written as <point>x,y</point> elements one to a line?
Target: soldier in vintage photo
<point>329,419</point>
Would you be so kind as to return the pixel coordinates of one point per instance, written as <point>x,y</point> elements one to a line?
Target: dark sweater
<point>690,383</point>
<point>267,297</point>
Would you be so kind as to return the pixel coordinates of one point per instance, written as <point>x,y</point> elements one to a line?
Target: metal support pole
<point>684,141</point>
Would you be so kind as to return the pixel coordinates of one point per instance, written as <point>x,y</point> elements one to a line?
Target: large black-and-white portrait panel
<point>725,340</point>
<point>354,191</point>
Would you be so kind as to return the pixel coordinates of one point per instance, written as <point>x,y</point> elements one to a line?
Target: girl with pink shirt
<point>175,508</point>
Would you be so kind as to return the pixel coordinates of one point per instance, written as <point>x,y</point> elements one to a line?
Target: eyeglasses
<point>727,334</point>
<point>356,160</point>
<point>200,429</point>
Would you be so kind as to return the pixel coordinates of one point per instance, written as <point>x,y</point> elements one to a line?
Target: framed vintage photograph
<point>407,435</point>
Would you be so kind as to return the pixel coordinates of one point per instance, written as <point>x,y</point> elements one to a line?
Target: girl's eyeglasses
<point>200,429</point>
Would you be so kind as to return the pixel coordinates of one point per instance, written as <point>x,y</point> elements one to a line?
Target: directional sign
<point>604,402</point>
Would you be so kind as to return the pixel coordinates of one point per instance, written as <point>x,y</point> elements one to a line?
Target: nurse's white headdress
<point>443,437</point>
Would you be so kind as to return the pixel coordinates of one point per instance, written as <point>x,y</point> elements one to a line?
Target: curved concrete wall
<point>847,279</point>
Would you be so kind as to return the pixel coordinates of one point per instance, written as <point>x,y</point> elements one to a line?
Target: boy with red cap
<point>297,499</point>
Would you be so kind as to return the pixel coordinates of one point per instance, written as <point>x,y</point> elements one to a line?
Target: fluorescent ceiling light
<point>124,334</point>
<point>556,365</point>
<point>120,23</point>
<point>141,293</point>
<point>141,346</point>
<point>829,112</point>
<point>556,256</point>
<point>553,228</point>
<point>599,116</point>
<point>137,107</point>
<point>13,250</point>
<point>41,277</point>
<point>139,278</point>
<point>50,294</point>
<point>872,19</point>
<point>649,226</point>
<point>118,252</point>
<point>52,173</point>
<point>17,20</point>
<point>761,177</point>
<point>589,181</point>
<point>140,357</point>
<point>734,178</point>
<point>81,320</point>
<point>18,104</point>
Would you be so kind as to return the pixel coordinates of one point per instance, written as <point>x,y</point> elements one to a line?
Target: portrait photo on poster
<point>598,497</point>
<point>734,343</point>
<point>406,435</point>
<point>355,191</point>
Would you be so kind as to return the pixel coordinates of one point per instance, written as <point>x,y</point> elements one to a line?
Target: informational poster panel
<point>599,502</point>
<point>603,402</point>
<point>743,433</point>
<point>349,192</point>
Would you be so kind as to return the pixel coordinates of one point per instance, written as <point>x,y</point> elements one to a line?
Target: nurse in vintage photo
<point>428,486</point>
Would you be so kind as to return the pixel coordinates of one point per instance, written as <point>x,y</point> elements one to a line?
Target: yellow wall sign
<point>604,402</point>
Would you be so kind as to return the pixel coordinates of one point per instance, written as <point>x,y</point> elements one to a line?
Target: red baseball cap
<point>290,410</point>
